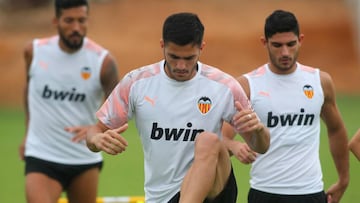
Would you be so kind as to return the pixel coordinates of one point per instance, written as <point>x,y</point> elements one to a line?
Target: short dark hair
<point>182,29</point>
<point>65,4</point>
<point>281,21</point>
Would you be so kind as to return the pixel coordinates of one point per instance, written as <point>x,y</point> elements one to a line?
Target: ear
<point>162,44</point>
<point>202,45</point>
<point>263,40</point>
<point>301,38</point>
<point>55,21</point>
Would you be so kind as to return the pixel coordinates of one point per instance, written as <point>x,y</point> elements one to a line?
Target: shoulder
<point>52,40</point>
<point>215,74</point>
<point>257,72</point>
<point>93,46</point>
<point>244,84</point>
<point>144,72</point>
<point>28,48</point>
<point>327,83</point>
<point>325,78</point>
<point>308,70</point>
<point>109,60</point>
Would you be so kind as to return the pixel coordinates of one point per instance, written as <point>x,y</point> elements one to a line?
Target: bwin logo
<point>63,95</point>
<point>290,119</point>
<point>174,134</point>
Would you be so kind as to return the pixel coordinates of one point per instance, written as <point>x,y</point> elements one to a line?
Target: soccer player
<point>179,105</point>
<point>291,99</point>
<point>68,77</point>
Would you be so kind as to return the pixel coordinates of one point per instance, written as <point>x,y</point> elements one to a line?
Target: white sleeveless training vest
<point>64,91</point>
<point>289,105</point>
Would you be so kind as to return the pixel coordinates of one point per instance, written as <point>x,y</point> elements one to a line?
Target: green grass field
<point>122,175</point>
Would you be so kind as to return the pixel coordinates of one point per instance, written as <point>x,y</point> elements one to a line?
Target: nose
<point>181,64</point>
<point>76,26</point>
<point>285,51</point>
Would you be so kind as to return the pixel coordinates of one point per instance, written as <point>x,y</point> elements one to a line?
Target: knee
<point>207,142</point>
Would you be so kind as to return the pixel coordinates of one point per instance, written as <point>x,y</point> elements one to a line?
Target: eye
<point>291,44</point>
<point>277,45</point>
<point>173,56</point>
<point>82,20</point>
<point>189,58</point>
<point>68,20</point>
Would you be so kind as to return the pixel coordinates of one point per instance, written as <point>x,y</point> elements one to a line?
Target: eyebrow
<point>290,42</point>
<point>178,57</point>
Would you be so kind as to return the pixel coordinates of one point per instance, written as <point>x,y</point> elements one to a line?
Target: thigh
<point>223,172</point>
<point>40,188</point>
<point>85,181</point>
<point>229,192</point>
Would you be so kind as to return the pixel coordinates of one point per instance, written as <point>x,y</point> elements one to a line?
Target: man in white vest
<point>291,99</point>
<point>68,77</point>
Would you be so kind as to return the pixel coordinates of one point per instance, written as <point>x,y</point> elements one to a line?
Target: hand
<point>246,121</point>
<point>110,141</point>
<point>79,131</point>
<point>335,192</point>
<point>243,152</point>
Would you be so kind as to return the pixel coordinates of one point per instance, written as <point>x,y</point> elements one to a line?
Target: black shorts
<point>256,196</point>
<point>63,173</point>
<point>228,195</point>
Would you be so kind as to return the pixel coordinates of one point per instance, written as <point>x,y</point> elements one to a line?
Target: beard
<point>73,45</point>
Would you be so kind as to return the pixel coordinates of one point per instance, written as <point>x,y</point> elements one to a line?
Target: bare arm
<point>255,134</point>
<point>239,149</point>
<point>337,138</point>
<point>259,140</point>
<point>109,75</point>
<point>28,54</point>
<point>354,145</point>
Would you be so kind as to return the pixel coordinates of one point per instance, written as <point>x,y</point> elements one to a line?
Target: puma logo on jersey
<point>290,119</point>
<point>71,95</point>
<point>43,65</point>
<point>151,101</point>
<point>174,134</point>
<point>263,93</point>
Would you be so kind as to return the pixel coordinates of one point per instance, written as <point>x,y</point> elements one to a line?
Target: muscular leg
<point>209,172</point>
<point>83,188</point>
<point>41,189</point>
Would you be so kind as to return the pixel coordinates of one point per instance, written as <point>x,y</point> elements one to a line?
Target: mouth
<point>285,60</point>
<point>181,72</point>
<point>75,38</point>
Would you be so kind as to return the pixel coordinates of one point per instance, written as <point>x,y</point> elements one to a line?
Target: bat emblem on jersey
<point>204,104</point>
<point>308,91</point>
<point>85,73</point>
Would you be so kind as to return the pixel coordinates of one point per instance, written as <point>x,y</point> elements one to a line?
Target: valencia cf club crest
<point>85,73</point>
<point>308,91</point>
<point>204,105</point>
